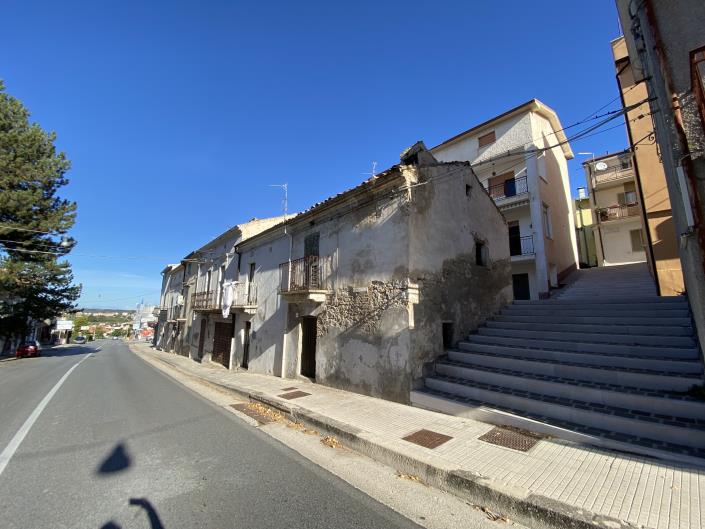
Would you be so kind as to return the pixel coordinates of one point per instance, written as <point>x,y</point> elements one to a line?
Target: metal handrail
<point>521,245</point>
<point>301,274</point>
<point>204,300</point>
<point>509,188</point>
<point>245,294</point>
<point>617,212</point>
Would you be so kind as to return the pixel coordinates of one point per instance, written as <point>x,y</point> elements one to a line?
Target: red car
<point>30,348</point>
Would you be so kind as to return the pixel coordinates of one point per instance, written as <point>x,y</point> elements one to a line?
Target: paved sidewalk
<point>555,484</point>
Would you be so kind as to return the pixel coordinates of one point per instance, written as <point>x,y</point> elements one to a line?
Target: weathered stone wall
<point>363,340</point>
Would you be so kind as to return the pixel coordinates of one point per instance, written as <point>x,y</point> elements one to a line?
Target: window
<point>626,163</point>
<point>481,253</point>
<point>637,240</point>
<point>547,224</point>
<point>486,139</point>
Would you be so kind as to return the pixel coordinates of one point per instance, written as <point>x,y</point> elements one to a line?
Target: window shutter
<point>486,139</point>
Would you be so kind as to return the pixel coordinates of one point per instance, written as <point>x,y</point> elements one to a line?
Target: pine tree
<point>35,283</point>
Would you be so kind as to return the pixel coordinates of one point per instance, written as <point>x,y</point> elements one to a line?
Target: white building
<point>363,291</point>
<point>619,234</point>
<point>520,157</point>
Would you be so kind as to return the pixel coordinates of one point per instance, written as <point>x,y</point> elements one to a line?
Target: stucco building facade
<point>364,290</point>
<point>521,159</point>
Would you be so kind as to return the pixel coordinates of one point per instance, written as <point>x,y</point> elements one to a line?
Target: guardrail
<point>509,188</point>
<point>302,274</point>
<point>521,245</point>
<point>617,212</point>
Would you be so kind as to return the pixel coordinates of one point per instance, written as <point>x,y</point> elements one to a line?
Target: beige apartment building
<point>661,244</point>
<point>618,229</point>
<point>521,158</point>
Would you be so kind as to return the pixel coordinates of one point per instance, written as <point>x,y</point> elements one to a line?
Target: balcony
<point>617,212</point>
<point>511,192</point>
<point>521,248</point>
<point>245,297</point>
<point>304,279</point>
<point>613,174</point>
<point>174,313</point>
<point>205,301</point>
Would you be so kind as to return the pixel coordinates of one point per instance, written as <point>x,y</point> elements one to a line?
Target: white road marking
<point>11,448</point>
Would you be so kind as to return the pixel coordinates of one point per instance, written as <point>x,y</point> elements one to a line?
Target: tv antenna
<point>374,168</point>
<point>285,202</point>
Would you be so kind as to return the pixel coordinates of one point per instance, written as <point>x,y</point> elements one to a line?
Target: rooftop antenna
<point>374,167</point>
<point>285,204</point>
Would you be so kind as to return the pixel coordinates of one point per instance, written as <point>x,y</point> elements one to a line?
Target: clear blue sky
<point>177,115</point>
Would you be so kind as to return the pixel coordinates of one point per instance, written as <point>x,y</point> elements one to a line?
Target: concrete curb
<point>515,502</point>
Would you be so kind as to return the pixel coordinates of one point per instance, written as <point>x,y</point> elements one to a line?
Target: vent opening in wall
<point>447,334</point>
<point>468,190</point>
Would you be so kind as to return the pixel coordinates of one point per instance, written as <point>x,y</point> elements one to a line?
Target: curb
<point>517,503</point>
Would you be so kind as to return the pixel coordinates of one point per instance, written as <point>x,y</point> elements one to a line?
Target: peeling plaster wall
<point>449,217</point>
<point>377,329</point>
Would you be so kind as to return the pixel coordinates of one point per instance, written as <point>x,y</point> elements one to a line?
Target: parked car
<point>79,339</point>
<point>28,348</point>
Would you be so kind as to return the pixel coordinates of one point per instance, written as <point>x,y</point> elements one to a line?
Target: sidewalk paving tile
<point>636,489</point>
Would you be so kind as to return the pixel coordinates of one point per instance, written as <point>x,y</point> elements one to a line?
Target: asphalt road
<point>120,445</point>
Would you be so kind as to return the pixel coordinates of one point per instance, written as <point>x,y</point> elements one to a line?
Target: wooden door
<point>308,346</point>
<point>514,239</point>
<point>246,345</point>
<point>201,338</point>
<point>222,340</point>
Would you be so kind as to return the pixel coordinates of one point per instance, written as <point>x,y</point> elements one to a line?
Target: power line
<point>17,228</point>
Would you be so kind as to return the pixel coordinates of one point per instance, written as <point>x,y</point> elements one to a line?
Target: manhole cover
<point>427,438</point>
<point>259,417</point>
<point>521,440</point>
<point>293,395</point>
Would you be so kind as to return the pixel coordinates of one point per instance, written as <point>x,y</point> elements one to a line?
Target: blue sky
<point>177,115</point>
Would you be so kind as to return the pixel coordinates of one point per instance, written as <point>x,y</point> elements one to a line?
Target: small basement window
<point>481,253</point>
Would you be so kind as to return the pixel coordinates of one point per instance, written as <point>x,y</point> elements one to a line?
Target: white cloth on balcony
<point>227,297</point>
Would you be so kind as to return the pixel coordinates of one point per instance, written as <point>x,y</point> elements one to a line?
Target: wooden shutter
<point>486,139</point>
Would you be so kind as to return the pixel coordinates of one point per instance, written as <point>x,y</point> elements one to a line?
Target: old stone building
<point>364,290</point>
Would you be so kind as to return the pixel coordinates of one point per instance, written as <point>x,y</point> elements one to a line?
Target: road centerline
<point>17,439</point>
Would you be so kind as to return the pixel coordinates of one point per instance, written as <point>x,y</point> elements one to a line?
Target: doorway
<point>202,338</point>
<point>246,345</point>
<point>309,326</point>
<point>514,238</point>
<point>520,284</point>
<point>222,340</point>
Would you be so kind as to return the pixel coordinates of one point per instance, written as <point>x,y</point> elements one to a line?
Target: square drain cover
<point>427,438</point>
<point>293,395</point>
<point>259,417</point>
<point>515,439</point>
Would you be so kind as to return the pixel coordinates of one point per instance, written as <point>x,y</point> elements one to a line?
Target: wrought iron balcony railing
<point>207,300</point>
<point>509,188</point>
<point>245,295</point>
<point>304,274</point>
<point>617,212</point>
<point>521,245</point>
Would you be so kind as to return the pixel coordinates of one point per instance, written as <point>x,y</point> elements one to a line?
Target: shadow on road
<point>69,351</point>
<point>117,461</point>
<point>152,515</point>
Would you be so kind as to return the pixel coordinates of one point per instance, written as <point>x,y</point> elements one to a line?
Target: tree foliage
<point>35,284</point>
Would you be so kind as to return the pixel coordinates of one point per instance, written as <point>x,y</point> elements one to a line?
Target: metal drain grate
<point>293,395</point>
<point>427,438</point>
<point>289,389</point>
<point>259,417</point>
<point>515,439</point>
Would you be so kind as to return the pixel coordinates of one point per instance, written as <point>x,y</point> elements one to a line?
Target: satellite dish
<point>600,166</point>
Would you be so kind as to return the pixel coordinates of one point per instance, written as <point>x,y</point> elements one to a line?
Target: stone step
<point>623,349</point>
<point>628,339</point>
<point>662,309</point>
<point>624,319</point>
<point>588,328</point>
<point>643,299</point>
<point>456,405</point>
<point>563,383</point>
<point>666,428</point>
<point>651,363</point>
<point>514,310</point>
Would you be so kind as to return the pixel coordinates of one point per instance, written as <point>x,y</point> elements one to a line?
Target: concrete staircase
<point>606,362</point>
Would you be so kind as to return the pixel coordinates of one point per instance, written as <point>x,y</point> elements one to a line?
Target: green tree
<point>34,283</point>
